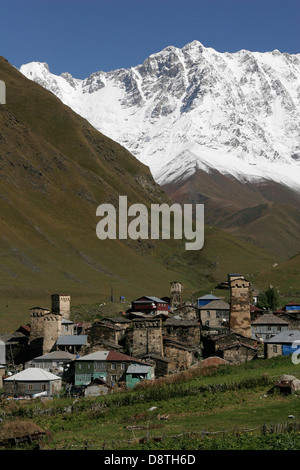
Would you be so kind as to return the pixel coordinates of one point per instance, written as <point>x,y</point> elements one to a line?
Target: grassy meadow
<point>231,407</point>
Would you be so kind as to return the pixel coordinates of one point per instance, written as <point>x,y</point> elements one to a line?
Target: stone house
<point>284,343</point>
<point>96,388</point>
<point>67,327</point>
<point>71,343</point>
<point>188,312</point>
<point>183,330</point>
<point>31,382</point>
<point>267,325</point>
<point>214,314</point>
<point>160,364</point>
<point>180,355</point>
<point>291,314</point>
<point>13,348</point>
<point>146,337</point>
<point>234,348</point>
<point>104,332</point>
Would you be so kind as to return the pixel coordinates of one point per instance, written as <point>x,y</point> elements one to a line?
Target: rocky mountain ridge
<point>194,108</point>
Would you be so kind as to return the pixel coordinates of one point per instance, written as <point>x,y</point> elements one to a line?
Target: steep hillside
<point>266,214</point>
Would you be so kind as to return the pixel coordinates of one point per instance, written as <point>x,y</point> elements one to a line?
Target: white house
<point>31,382</point>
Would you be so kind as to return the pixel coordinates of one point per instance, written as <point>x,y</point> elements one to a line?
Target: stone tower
<point>52,331</point>
<point>2,92</point>
<point>147,337</point>
<point>36,339</point>
<point>45,328</point>
<point>175,296</point>
<point>239,317</point>
<point>61,305</point>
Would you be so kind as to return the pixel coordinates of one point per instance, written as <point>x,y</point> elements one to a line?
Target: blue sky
<point>84,36</point>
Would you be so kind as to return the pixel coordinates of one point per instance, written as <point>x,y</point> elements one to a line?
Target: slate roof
<point>269,319</point>
<point>59,355</point>
<point>216,305</point>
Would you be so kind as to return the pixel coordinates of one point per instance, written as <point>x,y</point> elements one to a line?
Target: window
<point>113,378</point>
<point>43,387</point>
<point>123,366</point>
<point>279,328</point>
<point>113,366</point>
<point>207,313</point>
<point>30,387</point>
<point>274,348</point>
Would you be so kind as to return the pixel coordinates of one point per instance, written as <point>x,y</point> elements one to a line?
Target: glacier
<point>195,108</point>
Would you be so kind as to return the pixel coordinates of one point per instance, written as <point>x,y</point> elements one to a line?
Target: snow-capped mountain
<point>195,108</point>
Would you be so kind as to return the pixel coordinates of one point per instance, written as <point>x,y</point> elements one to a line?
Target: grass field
<point>231,407</point>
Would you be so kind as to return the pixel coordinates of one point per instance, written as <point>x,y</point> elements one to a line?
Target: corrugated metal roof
<point>71,340</point>
<point>32,374</point>
<point>109,356</point>
<point>152,298</point>
<point>96,356</point>
<point>137,369</point>
<point>285,337</point>
<point>208,296</point>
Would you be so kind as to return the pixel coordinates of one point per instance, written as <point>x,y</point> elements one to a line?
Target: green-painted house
<point>137,372</point>
<point>110,366</point>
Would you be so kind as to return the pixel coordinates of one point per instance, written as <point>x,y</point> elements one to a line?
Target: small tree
<point>268,299</point>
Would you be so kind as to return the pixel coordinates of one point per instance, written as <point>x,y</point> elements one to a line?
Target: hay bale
<point>18,429</point>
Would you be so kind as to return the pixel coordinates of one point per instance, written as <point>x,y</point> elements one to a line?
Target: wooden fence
<point>200,434</point>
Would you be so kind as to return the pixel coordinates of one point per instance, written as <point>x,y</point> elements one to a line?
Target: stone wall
<point>272,350</point>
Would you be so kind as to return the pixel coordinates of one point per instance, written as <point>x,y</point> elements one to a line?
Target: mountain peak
<point>237,113</point>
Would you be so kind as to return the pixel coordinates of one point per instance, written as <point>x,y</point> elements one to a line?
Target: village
<point>53,355</point>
